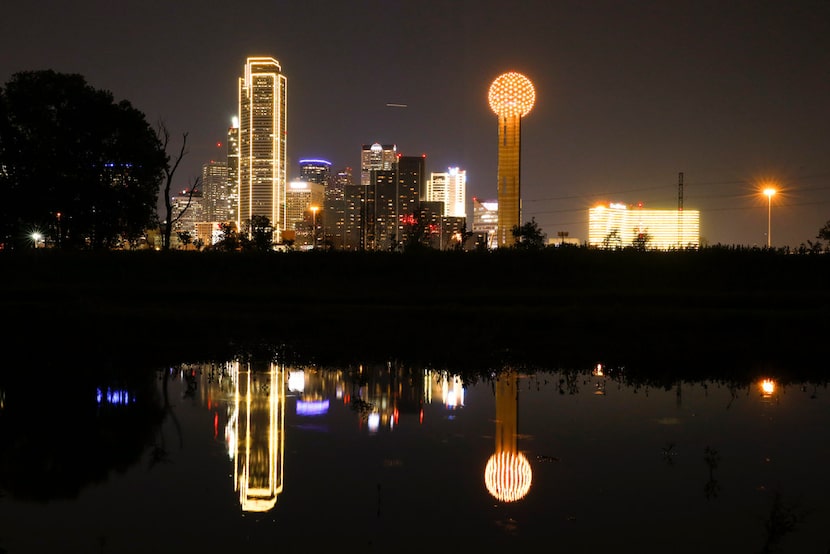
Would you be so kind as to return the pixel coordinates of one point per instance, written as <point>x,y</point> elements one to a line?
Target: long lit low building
<point>618,226</point>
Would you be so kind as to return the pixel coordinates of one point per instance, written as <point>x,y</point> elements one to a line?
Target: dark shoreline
<point>683,313</point>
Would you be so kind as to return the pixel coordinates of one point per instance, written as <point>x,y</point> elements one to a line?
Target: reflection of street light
<point>769,192</point>
<point>314,210</point>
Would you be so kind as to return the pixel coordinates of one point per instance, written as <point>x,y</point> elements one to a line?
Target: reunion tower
<point>511,98</point>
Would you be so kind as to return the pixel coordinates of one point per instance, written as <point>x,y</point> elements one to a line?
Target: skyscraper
<point>262,143</point>
<point>412,178</point>
<point>338,214</point>
<point>189,205</point>
<point>303,205</point>
<point>380,157</point>
<point>233,168</point>
<point>315,171</point>
<point>379,210</point>
<point>511,97</point>
<point>450,188</point>
<point>216,191</point>
<point>485,220</point>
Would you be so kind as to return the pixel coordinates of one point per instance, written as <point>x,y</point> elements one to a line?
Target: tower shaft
<point>509,184</point>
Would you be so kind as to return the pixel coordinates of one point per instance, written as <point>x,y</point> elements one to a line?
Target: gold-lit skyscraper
<point>511,97</point>
<point>262,140</point>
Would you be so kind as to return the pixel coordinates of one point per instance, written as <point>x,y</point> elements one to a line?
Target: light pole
<point>769,192</point>
<point>314,210</point>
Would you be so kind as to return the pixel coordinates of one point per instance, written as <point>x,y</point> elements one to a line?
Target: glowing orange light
<point>767,387</point>
<point>511,94</point>
<point>508,476</point>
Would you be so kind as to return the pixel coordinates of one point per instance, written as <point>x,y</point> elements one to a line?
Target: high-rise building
<point>233,168</point>
<point>380,157</point>
<point>216,192</point>
<point>379,210</point>
<point>485,220</point>
<point>262,143</point>
<point>335,210</point>
<point>303,210</point>
<point>618,226</point>
<point>450,188</point>
<point>354,215</point>
<point>412,178</point>
<point>315,171</point>
<point>188,210</point>
<point>511,97</point>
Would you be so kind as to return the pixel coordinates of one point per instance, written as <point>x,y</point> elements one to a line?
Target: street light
<point>769,192</point>
<point>314,210</point>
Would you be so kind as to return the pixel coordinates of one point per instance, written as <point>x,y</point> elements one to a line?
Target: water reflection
<point>256,433</point>
<point>254,396</point>
<point>730,465</point>
<point>507,475</point>
<point>62,435</point>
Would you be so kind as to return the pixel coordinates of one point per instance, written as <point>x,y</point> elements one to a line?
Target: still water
<point>241,457</point>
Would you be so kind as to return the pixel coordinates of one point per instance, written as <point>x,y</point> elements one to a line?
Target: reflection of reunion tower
<point>511,98</point>
<point>508,474</point>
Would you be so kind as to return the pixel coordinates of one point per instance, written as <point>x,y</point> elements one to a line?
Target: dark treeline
<point>693,311</point>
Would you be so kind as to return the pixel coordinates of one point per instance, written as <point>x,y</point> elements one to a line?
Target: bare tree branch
<point>170,172</point>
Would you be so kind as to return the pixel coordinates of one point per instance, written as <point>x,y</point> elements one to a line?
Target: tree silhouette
<point>641,241</point>
<point>77,167</point>
<point>170,167</point>
<point>528,236</point>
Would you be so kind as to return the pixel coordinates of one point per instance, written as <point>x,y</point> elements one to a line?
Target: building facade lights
<point>262,142</point>
<point>617,226</point>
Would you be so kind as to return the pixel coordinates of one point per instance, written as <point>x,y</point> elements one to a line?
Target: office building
<point>412,178</point>
<point>335,210</point>
<point>315,171</point>
<point>380,201</point>
<point>233,168</point>
<point>485,221</point>
<point>303,210</point>
<point>187,212</point>
<point>216,192</point>
<point>379,157</point>
<point>618,226</point>
<point>262,143</point>
<point>449,187</point>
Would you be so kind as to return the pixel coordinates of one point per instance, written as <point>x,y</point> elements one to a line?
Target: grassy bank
<point>559,307</point>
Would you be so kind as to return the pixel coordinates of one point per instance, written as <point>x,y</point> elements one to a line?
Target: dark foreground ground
<point>686,313</point>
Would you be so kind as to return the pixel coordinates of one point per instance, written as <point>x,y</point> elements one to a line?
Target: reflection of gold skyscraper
<point>511,97</point>
<point>258,423</point>
<point>508,474</point>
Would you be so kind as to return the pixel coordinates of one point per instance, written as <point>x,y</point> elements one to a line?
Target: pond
<point>238,455</point>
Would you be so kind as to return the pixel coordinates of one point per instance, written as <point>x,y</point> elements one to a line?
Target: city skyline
<point>628,96</point>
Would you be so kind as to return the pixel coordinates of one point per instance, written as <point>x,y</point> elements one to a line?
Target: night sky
<point>629,93</point>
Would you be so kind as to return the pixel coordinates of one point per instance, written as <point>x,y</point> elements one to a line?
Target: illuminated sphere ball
<point>512,94</point>
<point>508,476</point>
